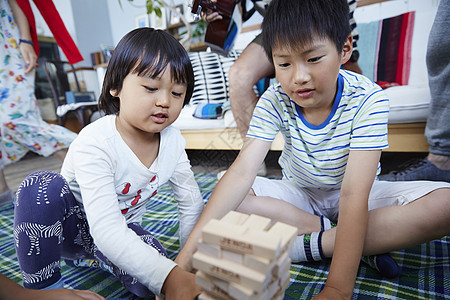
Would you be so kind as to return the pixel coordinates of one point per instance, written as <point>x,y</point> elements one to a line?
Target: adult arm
<point>10,290</point>
<point>352,223</point>
<point>229,192</point>
<point>27,50</point>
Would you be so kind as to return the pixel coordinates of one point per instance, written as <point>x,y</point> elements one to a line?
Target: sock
<point>326,224</point>
<point>384,264</point>
<point>307,247</point>
<point>57,285</point>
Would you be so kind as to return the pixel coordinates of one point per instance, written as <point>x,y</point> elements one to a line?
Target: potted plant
<point>156,5</point>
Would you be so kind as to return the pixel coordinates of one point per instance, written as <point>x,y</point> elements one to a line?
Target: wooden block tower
<point>244,257</point>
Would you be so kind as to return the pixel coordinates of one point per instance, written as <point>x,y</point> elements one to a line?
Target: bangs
<point>153,66</point>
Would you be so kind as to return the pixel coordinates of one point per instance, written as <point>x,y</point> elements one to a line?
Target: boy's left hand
<point>330,293</point>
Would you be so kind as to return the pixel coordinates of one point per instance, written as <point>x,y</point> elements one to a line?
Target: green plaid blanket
<point>426,268</point>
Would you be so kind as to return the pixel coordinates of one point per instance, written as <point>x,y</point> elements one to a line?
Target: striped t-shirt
<point>316,156</point>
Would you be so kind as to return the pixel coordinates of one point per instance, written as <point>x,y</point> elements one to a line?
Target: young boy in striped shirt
<point>334,124</point>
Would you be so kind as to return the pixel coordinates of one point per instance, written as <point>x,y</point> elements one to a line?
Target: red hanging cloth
<point>56,25</point>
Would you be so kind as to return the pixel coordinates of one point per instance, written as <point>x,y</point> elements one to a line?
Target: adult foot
<point>418,170</point>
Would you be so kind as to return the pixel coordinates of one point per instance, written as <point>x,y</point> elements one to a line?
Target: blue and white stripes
<point>316,156</point>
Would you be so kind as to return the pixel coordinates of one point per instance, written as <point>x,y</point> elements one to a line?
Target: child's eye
<point>284,65</point>
<point>150,89</point>
<point>315,59</point>
<point>177,94</point>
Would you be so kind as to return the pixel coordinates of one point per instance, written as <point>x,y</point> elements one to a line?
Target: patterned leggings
<point>49,224</point>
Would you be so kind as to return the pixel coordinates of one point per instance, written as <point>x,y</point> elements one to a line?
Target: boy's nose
<point>301,75</point>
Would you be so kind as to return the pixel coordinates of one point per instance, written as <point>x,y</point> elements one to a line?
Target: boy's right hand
<point>180,284</point>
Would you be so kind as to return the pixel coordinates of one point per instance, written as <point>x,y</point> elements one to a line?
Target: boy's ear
<point>347,50</point>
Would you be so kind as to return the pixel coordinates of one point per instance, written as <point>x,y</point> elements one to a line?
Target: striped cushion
<point>211,76</point>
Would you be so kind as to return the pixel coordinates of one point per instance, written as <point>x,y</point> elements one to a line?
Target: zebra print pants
<point>49,224</point>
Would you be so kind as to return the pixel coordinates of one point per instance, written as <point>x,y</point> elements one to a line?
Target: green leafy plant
<point>156,7</point>
<point>200,28</point>
<point>152,6</point>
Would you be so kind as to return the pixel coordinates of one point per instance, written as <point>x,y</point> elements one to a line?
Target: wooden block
<point>285,278</point>
<point>235,238</point>
<point>230,271</point>
<point>210,250</point>
<point>287,233</point>
<point>283,263</point>
<point>238,291</point>
<point>265,244</point>
<point>256,222</point>
<point>205,296</point>
<point>258,263</point>
<point>272,289</point>
<point>221,284</point>
<point>234,217</point>
<point>233,256</point>
<point>207,284</point>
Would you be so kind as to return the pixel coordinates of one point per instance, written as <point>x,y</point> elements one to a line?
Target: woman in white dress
<point>21,126</point>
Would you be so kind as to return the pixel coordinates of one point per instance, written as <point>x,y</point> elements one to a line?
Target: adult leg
<point>438,64</point>
<point>437,132</point>
<point>251,66</point>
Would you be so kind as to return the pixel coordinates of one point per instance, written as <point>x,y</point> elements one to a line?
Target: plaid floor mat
<point>426,268</point>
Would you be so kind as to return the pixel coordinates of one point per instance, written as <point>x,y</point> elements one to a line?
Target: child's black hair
<point>145,52</point>
<point>295,23</point>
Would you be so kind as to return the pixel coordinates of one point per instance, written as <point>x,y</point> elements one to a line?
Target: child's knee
<point>41,189</point>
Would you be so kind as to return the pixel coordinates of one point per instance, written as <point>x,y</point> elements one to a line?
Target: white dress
<point>21,126</point>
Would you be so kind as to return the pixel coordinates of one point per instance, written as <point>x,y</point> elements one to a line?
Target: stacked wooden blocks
<point>244,257</point>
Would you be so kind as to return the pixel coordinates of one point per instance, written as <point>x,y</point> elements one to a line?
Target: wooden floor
<point>16,172</point>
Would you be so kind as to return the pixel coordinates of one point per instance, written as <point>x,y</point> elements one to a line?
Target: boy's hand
<point>330,293</point>
<point>180,284</point>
